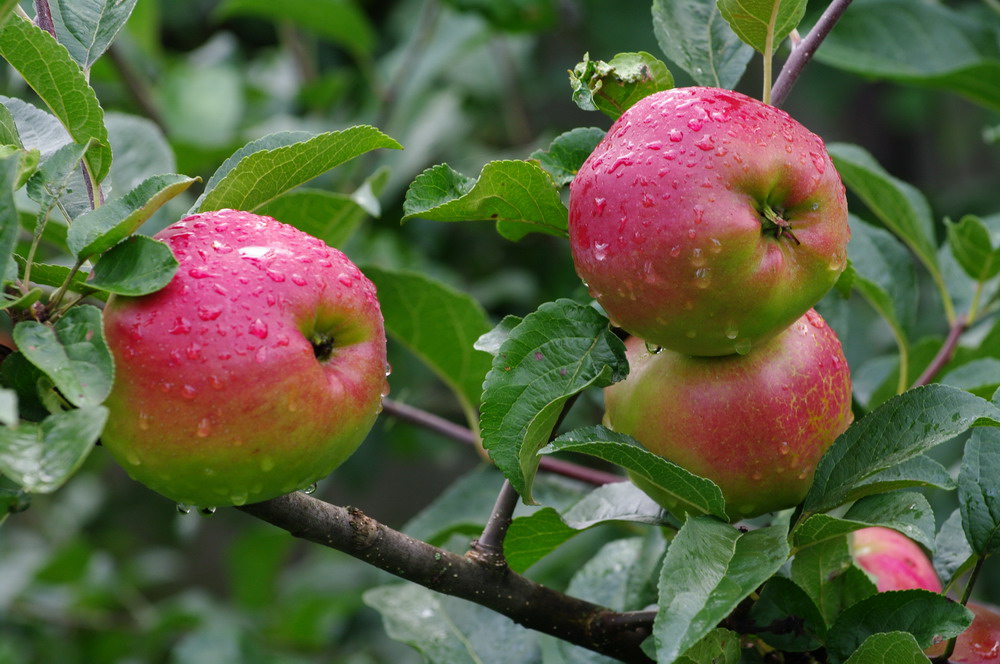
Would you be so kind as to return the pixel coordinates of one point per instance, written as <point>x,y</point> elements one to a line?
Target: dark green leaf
<point>8,127</point>
<point>48,68</point>
<point>74,354</point>
<point>920,471</point>
<point>787,618</point>
<point>884,275</point>
<point>762,22</point>
<point>97,231</point>
<point>979,491</point>
<point>136,266</point>
<point>439,325</point>
<point>87,27</point>
<point>446,630</point>
<point>709,569</point>
<point>567,152</point>
<point>695,37</point>
<point>826,572</point>
<point>54,175</point>
<point>40,457</point>
<point>972,247</point>
<point>10,225</point>
<point>953,555</point>
<point>492,340</point>
<point>692,493</point>
<point>531,538</point>
<point>518,195</point>
<point>981,377</point>
<point>720,646</point>
<point>927,615</point>
<point>898,430</point>
<point>56,275</point>
<point>266,172</point>
<point>908,512</point>
<point>556,352</point>
<point>888,648</point>
<point>613,87</point>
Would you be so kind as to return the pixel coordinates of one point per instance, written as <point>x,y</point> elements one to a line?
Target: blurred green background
<point>105,571</point>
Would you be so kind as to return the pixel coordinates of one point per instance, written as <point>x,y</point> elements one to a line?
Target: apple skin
<point>980,643</point>
<point>895,561</point>
<point>667,221</point>
<point>754,424</point>
<point>256,371</point>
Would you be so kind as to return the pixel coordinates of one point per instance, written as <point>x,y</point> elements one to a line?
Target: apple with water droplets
<point>893,560</point>
<point>756,425</point>
<point>255,372</point>
<point>979,643</point>
<point>706,221</point>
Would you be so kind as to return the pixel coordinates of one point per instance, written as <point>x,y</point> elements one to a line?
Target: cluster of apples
<point>707,224</point>
<point>895,562</point>
<point>255,372</point>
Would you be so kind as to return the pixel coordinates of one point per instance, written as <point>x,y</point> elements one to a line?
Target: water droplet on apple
<point>266,464</point>
<point>706,143</point>
<point>221,247</point>
<point>714,245</point>
<point>624,160</point>
<point>275,276</point>
<point>261,355</point>
<point>695,124</point>
<point>647,200</point>
<point>599,205</point>
<point>703,277</point>
<point>784,448</point>
<point>311,489</point>
<point>189,392</point>
<point>193,351</point>
<point>238,498</point>
<point>181,326</point>
<point>675,135</point>
<point>206,511</point>
<point>258,328</point>
<point>345,280</point>
<point>200,273</point>
<point>691,334</point>
<point>697,257</point>
<point>802,475</point>
<point>731,331</point>
<point>743,346</point>
<point>653,349</point>
<point>600,250</point>
<point>182,508</point>
<point>818,161</point>
<point>298,279</point>
<point>130,455</point>
<point>204,428</point>
<point>757,476</point>
<point>675,251</point>
<point>144,419</point>
<point>209,312</point>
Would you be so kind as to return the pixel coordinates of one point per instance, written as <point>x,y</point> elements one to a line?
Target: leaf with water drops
<point>691,493</point>
<point>925,614</point>
<point>695,37</point>
<point>555,353</point>
<point>613,87</point>
<point>827,573</point>
<point>40,457</point>
<point>907,512</point>
<point>446,630</point>
<point>267,168</point>
<point>762,22</point>
<point>47,67</point>
<point>709,569</point>
<point>953,555</point>
<point>73,354</point>
<point>97,231</point>
<point>135,266</point>
<point>567,152</point>
<point>518,195</point>
<point>979,491</point>
<point>895,432</point>
<point>888,648</point>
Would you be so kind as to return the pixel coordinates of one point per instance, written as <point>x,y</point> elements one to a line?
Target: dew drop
<point>261,355</point>
<point>206,511</point>
<point>743,346</point>
<point>714,245</point>
<point>200,273</point>
<point>697,257</point>
<point>691,334</point>
<point>702,277</point>
<point>599,205</point>
<point>653,349</point>
<point>675,135</point>
<point>675,251</point>
<point>132,458</point>
<point>267,464</point>
<point>144,419</point>
<point>731,331</point>
<point>238,498</point>
<point>600,250</point>
<point>345,280</point>
<point>189,392</point>
<point>204,428</point>
<point>181,326</point>
<point>757,477</point>
<point>258,328</point>
<point>207,312</point>
<point>311,489</point>
<point>275,276</point>
<point>802,475</point>
<point>298,279</point>
<point>182,508</point>
<point>706,143</point>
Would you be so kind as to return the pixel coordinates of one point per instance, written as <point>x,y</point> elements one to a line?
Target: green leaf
<point>56,275</point>
<point>972,247</point>
<point>692,493</point>
<point>531,538</point>
<point>898,205</point>
<point>518,195</point>
<point>924,614</point>
<point>898,430</point>
<point>826,572</point>
<point>556,352</point>
<point>907,512</point>
<point>10,225</point>
<point>50,71</point>
<point>446,630</point>
<point>330,216</point>
<point>981,377</point>
<point>884,275</point>
<point>720,646</point>
<point>979,491</point>
<point>512,15</point>
<point>953,555</point>
<point>920,471</point>
<point>695,37</point>
<point>709,569</point>
<point>50,181</point>
<point>787,618</point>
<point>439,325</point>
<point>98,230</point>
<point>87,27</point>
<point>8,408</point>
<point>35,128</point>
<point>954,52</point>
<point>339,21</point>
<point>41,457</point>
<point>757,20</point>
<point>567,152</point>
<point>267,172</point>
<point>888,648</point>
<point>74,354</point>
<point>140,148</point>
<point>8,127</point>
<point>137,265</point>
<point>613,87</point>
<point>20,302</point>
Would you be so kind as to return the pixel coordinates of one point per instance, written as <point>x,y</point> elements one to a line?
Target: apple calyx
<point>774,223</point>
<point>323,345</point>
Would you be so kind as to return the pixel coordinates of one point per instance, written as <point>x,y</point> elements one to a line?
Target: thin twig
<point>945,353</point>
<point>43,17</point>
<point>526,602</point>
<point>804,52</point>
<point>461,434</point>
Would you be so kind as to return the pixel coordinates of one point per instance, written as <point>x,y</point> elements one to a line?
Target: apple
<point>255,372</point>
<point>894,561</point>
<point>754,424</point>
<point>706,221</point>
<point>979,643</point>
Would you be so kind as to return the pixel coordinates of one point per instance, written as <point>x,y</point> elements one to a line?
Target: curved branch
<point>945,353</point>
<point>527,603</point>
<point>805,50</point>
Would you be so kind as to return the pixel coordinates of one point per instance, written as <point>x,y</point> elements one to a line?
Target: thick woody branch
<point>527,603</point>
<point>804,51</point>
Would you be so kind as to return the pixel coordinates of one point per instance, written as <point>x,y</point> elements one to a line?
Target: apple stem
<point>776,225</point>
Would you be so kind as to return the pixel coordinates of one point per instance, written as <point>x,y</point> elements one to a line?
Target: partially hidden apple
<point>893,560</point>
<point>707,221</point>
<point>979,643</point>
<point>754,424</point>
<point>255,372</point>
